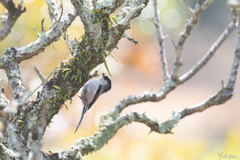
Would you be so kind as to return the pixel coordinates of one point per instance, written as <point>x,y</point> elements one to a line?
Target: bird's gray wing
<point>88,106</point>
<point>95,96</point>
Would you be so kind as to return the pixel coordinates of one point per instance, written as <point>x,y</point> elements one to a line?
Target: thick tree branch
<point>13,74</point>
<point>110,124</point>
<point>7,153</point>
<point>3,100</point>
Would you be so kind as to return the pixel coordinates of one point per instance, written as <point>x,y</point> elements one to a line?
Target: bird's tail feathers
<point>83,112</point>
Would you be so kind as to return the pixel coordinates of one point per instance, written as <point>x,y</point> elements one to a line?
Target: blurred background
<point>199,136</point>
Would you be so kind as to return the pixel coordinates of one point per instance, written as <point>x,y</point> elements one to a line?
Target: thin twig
<point>61,12</point>
<point>39,74</point>
<point>130,38</point>
<point>160,40</point>
<point>189,9</point>
<point>42,26</point>
<point>224,94</point>
<point>60,29</point>
<point>36,31</point>
<point>31,93</point>
<point>184,35</point>
<point>209,54</point>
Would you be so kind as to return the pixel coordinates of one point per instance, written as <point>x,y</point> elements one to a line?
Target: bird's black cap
<point>108,81</point>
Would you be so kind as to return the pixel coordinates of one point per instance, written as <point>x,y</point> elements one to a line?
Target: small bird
<point>90,92</point>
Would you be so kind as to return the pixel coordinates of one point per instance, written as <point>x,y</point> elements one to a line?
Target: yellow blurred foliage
<point>169,147</point>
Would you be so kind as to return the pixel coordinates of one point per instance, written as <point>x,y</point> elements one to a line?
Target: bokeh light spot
<point>146,27</point>
<point>171,18</point>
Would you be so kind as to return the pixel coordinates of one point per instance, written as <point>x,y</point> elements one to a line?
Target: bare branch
<point>146,96</point>
<point>185,34</point>
<point>51,10</point>
<point>205,4</point>
<point>36,31</point>
<point>42,26</point>
<point>235,65</point>
<point>209,54</point>
<point>189,9</point>
<point>222,95</point>
<point>43,41</point>
<point>39,73</point>
<point>161,44</point>
<point>9,17</point>
<point>130,38</point>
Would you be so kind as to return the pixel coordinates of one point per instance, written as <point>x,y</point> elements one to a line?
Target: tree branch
<point>160,41</point>
<point>226,92</point>
<point>13,74</point>
<point>7,153</point>
<point>3,100</point>
<point>51,8</point>
<point>31,93</point>
<point>222,95</point>
<point>110,124</point>
<point>209,54</point>
<point>185,34</point>
<point>46,38</point>
<point>10,16</point>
